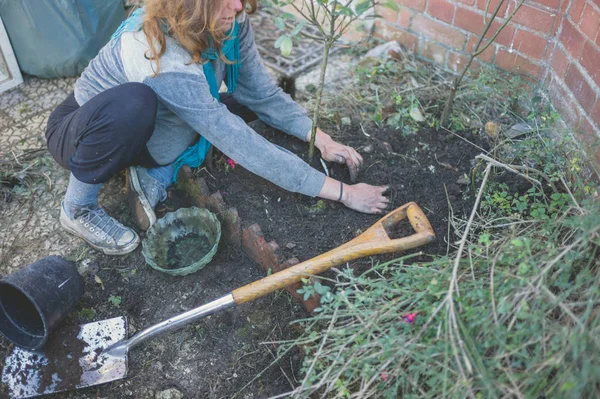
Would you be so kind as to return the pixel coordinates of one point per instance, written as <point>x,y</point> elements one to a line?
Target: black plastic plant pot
<point>35,299</point>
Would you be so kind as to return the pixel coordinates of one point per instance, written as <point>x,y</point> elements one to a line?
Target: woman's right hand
<point>365,198</point>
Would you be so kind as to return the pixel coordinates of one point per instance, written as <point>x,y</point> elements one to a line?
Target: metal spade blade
<point>74,357</point>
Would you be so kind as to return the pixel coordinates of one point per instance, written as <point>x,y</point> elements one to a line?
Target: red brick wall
<point>556,42</point>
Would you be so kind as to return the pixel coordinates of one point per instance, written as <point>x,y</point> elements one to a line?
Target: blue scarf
<point>195,154</point>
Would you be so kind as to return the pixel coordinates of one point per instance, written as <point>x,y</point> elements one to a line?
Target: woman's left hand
<point>335,152</point>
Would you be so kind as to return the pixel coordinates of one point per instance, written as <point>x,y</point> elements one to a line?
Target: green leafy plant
<point>115,300</point>
<point>512,312</point>
<point>481,45</point>
<point>332,18</point>
<point>86,314</point>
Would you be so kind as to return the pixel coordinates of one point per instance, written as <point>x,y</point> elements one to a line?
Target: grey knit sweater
<point>187,108</point>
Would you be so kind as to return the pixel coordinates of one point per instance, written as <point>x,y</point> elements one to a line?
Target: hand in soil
<point>366,198</point>
<point>335,152</point>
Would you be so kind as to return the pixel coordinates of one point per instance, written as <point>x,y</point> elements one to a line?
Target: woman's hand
<point>365,198</point>
<point>335,152</point>
<point>360,197</point>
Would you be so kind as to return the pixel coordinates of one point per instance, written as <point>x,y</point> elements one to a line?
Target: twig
<point>515,169</point>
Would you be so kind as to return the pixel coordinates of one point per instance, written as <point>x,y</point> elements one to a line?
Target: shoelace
<point>154,190</point>
<point>97,219</point>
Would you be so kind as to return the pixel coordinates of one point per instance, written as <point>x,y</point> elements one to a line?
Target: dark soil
<point>186,250</point>
<point>230,354</point>
<point>419,168</point>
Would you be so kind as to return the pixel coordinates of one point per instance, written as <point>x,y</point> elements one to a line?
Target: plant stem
<point>476,52</point>
<point>313,132</point>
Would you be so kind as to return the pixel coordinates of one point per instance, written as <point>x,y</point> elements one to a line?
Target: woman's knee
<point>138,104</point>
<point>131,111</point>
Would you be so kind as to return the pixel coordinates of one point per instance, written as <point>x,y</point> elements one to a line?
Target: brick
<point>529,44</point>
<point>469,20</point>
<point>432,51</point>
<point>441,9</point>
<point>406,39</point>
<point>231,227</point>
<point>559,63</point>
<point>590,22</point>
<point>534,18</point>
<point>387,14</point>
<point>587,134</point>
<point>266,255</point>
<point>581,89</point>
<point>482,4</point>
<point>596,114</point>
<point>571,39</point>
<point>516,63</point>
<point>562,9</point>
<point>417,5</point>
<point>404,18</point>
<point>487,56</point>
<point>466,2</point>
<point>438,31</point>
<point>590,60</point>
<point>549,3</point>
<point>473,22</point>
<point>457,62</point>
<point>576,10</point>
<point>562,101</point>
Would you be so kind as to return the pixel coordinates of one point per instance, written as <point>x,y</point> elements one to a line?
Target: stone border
<point>250,240</point>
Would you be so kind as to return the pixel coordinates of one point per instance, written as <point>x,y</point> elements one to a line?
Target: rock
<point>88,268</point>
<point>453,190</point>
<point>385,50</point>
<point>387,146</point>
<point>346,121</point>
<point>170,393</point>
<point>492,129</point>
<point>517,130</point>
<point>290,245</point>
<point>464,180</point>
<point>368,149</point>
<point>448,138</point>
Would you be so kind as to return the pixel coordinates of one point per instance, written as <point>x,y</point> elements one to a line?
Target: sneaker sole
<point>107,251</point>
<point>143,214</point>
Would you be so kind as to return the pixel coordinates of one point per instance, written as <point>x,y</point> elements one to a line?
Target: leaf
<point>115,300</point>
<point>391,4</point>
<point>288,15</point>
<point>279,41</point>
<point>280,24</point>
<point>98,280</point>
<point>297,29</point>
<point>362,6</point>
<point>286,46</point>
<point>416,114</point>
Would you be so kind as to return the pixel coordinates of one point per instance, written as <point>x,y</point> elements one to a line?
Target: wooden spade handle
<point>375,240</point>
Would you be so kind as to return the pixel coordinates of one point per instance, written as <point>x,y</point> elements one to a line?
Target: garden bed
<point>221,356</point>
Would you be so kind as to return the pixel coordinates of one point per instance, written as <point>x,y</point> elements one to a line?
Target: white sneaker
<point>100,230</point>
<point>143,193</point>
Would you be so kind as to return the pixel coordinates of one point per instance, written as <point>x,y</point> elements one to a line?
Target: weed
<point>512,313</point>
<point>115,300</point>
<point>86,315</point>
<point>23,108</point>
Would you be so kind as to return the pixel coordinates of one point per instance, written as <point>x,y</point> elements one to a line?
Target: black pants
<point>110,131</point>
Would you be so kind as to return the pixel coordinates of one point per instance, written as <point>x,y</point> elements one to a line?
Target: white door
<point>10,75</point>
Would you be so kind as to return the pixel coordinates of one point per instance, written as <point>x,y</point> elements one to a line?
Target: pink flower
<point>410,318</point>
<point>231,163</point>
<point>384,376</point>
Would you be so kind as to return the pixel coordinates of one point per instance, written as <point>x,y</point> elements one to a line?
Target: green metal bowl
<point>182,242</point>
